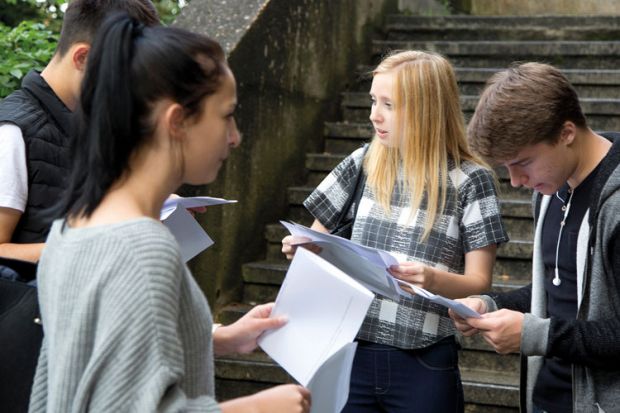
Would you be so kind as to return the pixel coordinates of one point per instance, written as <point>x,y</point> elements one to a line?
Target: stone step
<point>240,375</point>
<point>589,83</point>
<point>262,279</point>
<point>517,228</point>
<point>515,213</point>
<point>400,27</point>
<point>469,359</point>
<point>319,165</point>
<point>505,189</point>
<point>344,137</point>
<point>602,113</point>
<point>590,106</point>
<point>507,270</point>
<point>326,161</point>
<point>232,312</point>
<point>563,54</point>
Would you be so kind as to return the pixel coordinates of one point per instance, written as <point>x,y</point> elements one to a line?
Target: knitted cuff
<point>534,335</point>
<point>488,301</point>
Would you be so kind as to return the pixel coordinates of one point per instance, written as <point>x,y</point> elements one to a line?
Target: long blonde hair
<point>429,129</point>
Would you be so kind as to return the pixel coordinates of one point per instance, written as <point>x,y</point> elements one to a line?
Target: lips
<point>381,133</point>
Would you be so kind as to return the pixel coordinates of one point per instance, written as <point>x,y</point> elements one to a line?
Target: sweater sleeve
<point>119,344</point>
<point>517,300</point>
<point>157,354</point>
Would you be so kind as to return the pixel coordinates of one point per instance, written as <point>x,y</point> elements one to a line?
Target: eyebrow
<point>380,97</point>
<point>518,161</point>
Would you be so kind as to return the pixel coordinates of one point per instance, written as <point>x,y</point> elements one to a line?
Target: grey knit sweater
<point>126,327</point>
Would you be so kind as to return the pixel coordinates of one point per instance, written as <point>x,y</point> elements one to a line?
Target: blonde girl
<point>431,202</point>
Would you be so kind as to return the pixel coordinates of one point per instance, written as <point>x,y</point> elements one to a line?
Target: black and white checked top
<point>471,220</point>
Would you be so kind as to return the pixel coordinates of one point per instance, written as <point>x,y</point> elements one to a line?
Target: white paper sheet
<point>191,237</point>
<point>364,264</point>
<point>325,309</point>
<point>329,386</point>
<point>171,204</point>
<point>369,267</point>
<point>459,308</point>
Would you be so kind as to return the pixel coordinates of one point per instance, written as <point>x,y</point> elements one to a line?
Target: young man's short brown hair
<point>83,18</point>
<point>521,106</point>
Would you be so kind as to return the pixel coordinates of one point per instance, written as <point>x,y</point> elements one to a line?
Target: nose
<point>375,114</point>
<point>234,136</point>
<point>517,177</point>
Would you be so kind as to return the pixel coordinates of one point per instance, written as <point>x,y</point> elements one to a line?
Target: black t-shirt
<point>553,389</point>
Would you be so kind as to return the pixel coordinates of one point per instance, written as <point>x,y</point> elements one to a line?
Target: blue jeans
<point>391,380</point>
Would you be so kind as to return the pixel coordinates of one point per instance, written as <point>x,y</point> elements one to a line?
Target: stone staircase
<point>587,48</point>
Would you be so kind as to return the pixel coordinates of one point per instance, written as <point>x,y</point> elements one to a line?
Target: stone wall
<point>291,59</point>
<point>537,7</point>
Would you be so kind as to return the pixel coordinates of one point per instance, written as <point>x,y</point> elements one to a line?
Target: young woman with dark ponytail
<point>126,326</point>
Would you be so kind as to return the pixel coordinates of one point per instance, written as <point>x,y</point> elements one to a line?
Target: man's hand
<point>241,336</point>
<point>501,329</point>
<point>462,324</point>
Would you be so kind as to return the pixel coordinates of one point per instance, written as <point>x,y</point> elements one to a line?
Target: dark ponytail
<point>129,68</point>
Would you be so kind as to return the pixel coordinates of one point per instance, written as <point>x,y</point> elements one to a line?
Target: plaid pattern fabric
<point>471,220</point>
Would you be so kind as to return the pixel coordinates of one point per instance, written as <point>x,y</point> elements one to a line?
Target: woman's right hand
<point>283,399</point>
<point>286,398</point>
<point>289,245</point>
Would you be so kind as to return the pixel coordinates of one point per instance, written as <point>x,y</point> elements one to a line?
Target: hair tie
<point>137,29</point>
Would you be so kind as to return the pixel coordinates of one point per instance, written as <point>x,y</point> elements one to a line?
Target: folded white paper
<point>329,386</point>
<point>325,309</point>
<point>369,267</point>
<point>171,204</point>
<point>191,237</point>
<point>364,264</point>
<point>459,308</point>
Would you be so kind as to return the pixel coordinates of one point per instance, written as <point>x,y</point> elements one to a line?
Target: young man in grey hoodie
<point>566,323</point>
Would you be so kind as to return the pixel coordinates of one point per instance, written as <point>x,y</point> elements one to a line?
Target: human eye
<point>231,112</point>
<point>373,101</point>
<point>388,105</point>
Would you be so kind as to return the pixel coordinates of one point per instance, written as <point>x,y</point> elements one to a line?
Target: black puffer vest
<point>45,123</point>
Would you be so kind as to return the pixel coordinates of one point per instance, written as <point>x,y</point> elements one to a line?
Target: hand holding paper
<point>325,309</point>
<point>459,308</point>
<point>369,266</point>
<point>366,265</point>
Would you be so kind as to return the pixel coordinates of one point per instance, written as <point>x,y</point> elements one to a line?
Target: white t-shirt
<point>13,170</point>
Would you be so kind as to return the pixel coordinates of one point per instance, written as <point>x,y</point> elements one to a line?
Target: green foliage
<point>30,45</point>
<point>47,11</point>
<point>29,31</point>
<point>169,9</point>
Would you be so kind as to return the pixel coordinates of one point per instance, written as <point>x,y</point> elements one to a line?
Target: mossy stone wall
<point>537,7</point>
<point>292,59</point>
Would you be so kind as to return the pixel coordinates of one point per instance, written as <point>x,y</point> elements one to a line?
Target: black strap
<point>356,195</point>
